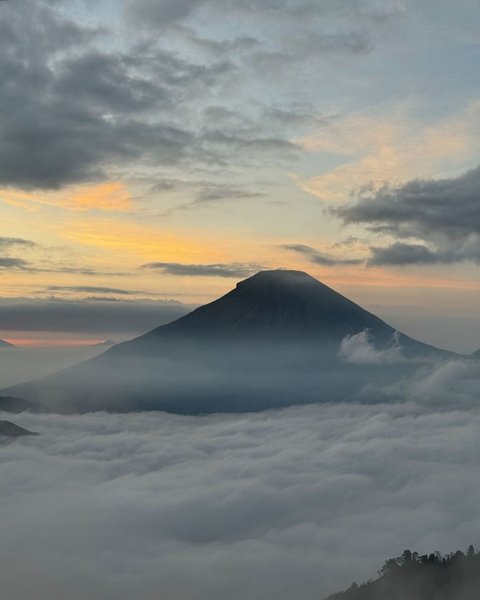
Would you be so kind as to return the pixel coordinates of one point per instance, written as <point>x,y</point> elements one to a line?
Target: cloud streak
<point>9,242</point>
<point>211,270</point>
<point>320,258</point>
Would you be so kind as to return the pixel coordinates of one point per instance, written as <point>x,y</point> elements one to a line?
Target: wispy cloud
<point>212,270</point>
<point>320,258</point>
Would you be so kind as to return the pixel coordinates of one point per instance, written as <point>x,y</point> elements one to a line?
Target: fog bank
<point>285,504</point>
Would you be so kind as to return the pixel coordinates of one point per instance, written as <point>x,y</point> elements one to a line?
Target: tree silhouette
<point>412,576</point>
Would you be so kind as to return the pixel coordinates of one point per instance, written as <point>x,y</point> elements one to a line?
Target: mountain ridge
<point>276,303</point>
<point>6,345</point>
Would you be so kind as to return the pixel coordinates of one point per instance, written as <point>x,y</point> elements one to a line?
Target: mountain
<point>105,343</point>
<point>17,405</point>
<point>272,341</point>
<point>8,429</point>
<point>4,344</point>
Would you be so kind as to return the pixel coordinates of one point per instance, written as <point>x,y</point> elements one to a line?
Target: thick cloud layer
<point>293,503</point>
<point>82,107</point>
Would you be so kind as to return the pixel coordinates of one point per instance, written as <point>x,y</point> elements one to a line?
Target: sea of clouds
<point>291,503</point>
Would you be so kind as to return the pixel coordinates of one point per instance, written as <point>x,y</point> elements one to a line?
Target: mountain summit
<point>276,304</point>
<point>271,341</point>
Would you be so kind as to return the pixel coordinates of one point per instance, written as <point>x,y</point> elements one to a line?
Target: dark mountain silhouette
<point>13,404</point>
<point>412,576</point>
<point>274,306</point>
<point>272,341</point>
<point>8,429</point>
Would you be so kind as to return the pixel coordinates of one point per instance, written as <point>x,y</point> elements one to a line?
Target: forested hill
<point>412,576</point>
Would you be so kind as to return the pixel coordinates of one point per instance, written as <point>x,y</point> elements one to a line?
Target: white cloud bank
<point>359,349</point>
<point>278,505</point>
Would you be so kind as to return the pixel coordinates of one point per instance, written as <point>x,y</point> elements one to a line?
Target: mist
<point>19,365</point>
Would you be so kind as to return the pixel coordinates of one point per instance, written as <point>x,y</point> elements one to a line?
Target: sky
<point>153,153</point>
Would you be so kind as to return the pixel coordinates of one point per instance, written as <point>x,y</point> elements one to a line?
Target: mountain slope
<point>278,306</point>
<point>8,429</point>
<point>272,341</point>
<point>4,344</point>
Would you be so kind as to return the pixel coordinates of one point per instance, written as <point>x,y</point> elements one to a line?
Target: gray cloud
<point>319,258</point>
<point>165,13</point>
<point>121,318</point>
<point>8,242</point>
<point>22,265</point>
<point>204,193</point>
<point>213,270</point>
<point>219,192</point>
<point>78,109</point>
<point>444,214</point>
<point>404,254</point>
<point>74,109</point>
<point>91,289</point>
<point>15,264</point>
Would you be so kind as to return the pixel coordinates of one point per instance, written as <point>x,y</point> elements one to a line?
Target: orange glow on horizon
<point>106,196</point>
<point>52,342</point>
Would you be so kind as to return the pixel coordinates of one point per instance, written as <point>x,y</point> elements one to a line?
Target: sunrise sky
<point>158,151</point>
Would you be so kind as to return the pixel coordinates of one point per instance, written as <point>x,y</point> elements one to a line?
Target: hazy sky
<point>163,149</point>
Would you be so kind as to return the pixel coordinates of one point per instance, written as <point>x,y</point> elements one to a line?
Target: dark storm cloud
<point>319,258</point>
<point>444,214</point>
<point>8,242</point>
<point>213,270</point>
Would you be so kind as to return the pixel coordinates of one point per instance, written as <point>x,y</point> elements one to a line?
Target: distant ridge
<point>4,344</point>
<point>10,430</point>
<point>271,341</point>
